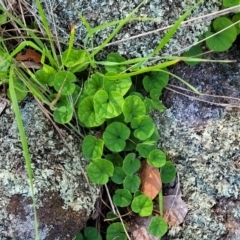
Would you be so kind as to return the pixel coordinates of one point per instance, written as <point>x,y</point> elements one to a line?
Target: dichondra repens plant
<point>111,102</point>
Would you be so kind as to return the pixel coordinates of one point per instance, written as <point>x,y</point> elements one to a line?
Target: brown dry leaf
<point>29,55</point>
<point>139,229</point>
<point>151,180</point>
<point>175,209</point>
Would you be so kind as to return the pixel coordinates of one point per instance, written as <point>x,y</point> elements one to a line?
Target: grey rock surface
<point>204,142</point>
<point>63,13</point>
<point>64,198</point>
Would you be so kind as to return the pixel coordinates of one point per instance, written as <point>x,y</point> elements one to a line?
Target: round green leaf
<point>116,231</point>
<point>20,90</point>
<point>155,80</point>
<point>91,147</point>
<point>63,82</point>
<point>236,18</point>
<point>144,127</point>
<point>108,105</point>
<point>91,233</point>
<point>156,158</point>
<point>133,107</point>
<point>142,205</point>
<point>115,136</point>
<point>118,175</point>
<point>168,172</point>
<point>79,236</point>
<point>44,77</point>
<point>192,52</point>
<point>121,86</point>
<point>222,41</point>
<point>115,58</point>
<point>63,114</point>
<point>93,84</point>
<point>131,164</point>
<point>157,227</point>
<point>99,171</point>
<point>73,57</point>
<point>122,197</point>
<point>144,149</point>
<point>131,183</point>
<point>115,158</point>
<point>87,115</point>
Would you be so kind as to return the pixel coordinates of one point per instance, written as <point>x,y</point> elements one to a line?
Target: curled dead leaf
<point>29,55</point>
<point>175,209</point>
<point>151,183</point>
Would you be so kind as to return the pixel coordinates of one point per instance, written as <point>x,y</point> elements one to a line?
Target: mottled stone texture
<point>203,140</point>
<point>64,198</point>
<point>62,13</point>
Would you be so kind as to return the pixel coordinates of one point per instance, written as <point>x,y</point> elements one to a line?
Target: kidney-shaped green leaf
<point>121,86</point>
<point>63,82</point>
<point>122,197</point>
<point>131,183</point>
<point>155,80</point>
<point>133,107</point>
<point>73,57</point>
<point>131,164</point>
<point>142,205</point>
<point>91,147</point>
<point>157,158</point>
<point>116,231</point>
<point>115,58</point>
<point>108,105</point>
<point>87,114</point>
<point>168,172</point>
<point>144,127</point>
<point>157,227</point>
<point>63,114</point>
<point>115,136</point>
<point>93,84</point>
<point>99,171</point>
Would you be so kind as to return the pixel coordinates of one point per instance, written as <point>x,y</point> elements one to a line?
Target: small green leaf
<point>192,52</point>
<point>236,18</point>
<point>63,114</point>
<point>87,115</point>
<point>73,58</point>
<point>144,149</point>
<point>93,84</point>
<point>121,86</point>
<point>20,89</point>
<point>133,107</point>
<point>156,158</point>
<point>142,205</point>
<point>44,77</point>
<point>99,171</point>
<point>63,82</point>
<point>155,94</point>
<point>91,233</point>
<point>168,172</point>
<point>122,197</point>
<point>79,236</point>
<point>115,136</point>
<point>157,227</point>
<point>222,41</point>
<point>131,164</point>
<point>91,147</point>
<point>144,127</point>
<point>116,231</point>
<point>115,158</point>
<point>108,105</point>
<point>131,183</point>
<point>118,175</point>
<point>116,58</point>
<point>155,80</point>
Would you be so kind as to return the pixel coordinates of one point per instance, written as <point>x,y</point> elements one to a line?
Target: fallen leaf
<point>29,55</point>
<point>151,183</point>
<point>175,209</point>
<point>138,229</point>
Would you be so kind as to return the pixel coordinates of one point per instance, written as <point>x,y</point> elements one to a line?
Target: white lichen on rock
<point>207,157</point>
<point>97,12</point>
<point>58,170</point>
